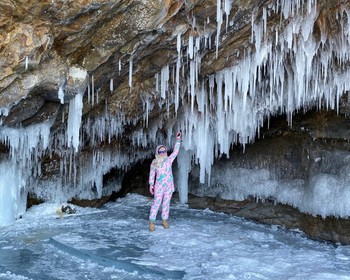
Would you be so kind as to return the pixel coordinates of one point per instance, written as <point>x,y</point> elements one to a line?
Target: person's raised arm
<point>176,147</point>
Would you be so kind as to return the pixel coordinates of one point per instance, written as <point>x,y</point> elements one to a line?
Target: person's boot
<point>152,226</point>
<point>165,224</point>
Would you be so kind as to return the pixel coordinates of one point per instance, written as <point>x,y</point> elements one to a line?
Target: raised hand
<point>179,136</point>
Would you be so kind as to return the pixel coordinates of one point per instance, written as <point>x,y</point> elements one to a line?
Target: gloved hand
<point>151,189</point>
<point>179,136</point>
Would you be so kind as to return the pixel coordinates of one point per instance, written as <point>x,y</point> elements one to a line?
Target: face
<point>162,151</point>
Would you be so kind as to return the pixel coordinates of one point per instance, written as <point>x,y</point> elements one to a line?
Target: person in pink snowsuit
<point>161,182</point>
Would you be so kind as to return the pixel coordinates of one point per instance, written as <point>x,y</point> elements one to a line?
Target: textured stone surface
<point>53,36</point>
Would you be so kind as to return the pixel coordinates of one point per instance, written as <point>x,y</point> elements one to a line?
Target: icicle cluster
<point>230,106</point>
<point>27,145</point>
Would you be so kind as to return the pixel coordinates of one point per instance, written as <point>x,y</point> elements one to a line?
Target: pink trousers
<point>162,196</point>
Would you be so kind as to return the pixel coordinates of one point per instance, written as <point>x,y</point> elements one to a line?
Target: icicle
<point>164,81</point>
<point>130,73</point>
<point>177,78</point>
<point>147,111</point>
<point>219,22</point>
<point>26,63</point>
<point>157,82</point>
<point>74,121</point>
<point>227,10</point>
<point>61,94</point>
<point>198,44</point>
<point>192,84</point>
<point>265,20</point>
<point>190,47</point>
<point>92,91</point>
<point>89,92</point>
<point>111,85</point>
<point>178,43</point>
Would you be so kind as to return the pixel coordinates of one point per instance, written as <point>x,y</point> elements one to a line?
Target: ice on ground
<point>201,243</point>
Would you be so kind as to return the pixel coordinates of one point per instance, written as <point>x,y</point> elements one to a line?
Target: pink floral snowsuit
<point>164,185</point>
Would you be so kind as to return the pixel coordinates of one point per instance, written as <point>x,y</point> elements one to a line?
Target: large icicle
<point>61,94</point>
<point>177,78</point>
<point>130,72</point>
<point>164,81</point>
<point>218,22</point>
<point>74,121</point>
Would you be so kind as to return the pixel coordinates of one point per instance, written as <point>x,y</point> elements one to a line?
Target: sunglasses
<point>162,152</point>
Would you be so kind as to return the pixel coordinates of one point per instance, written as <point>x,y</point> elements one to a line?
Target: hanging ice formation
<point>27,146</point>
<point>130,72</point>
<point>61,94</point>
<point>111,85</point>
<point>74,121</point>
<point>229,107</point>
<point>18,169</point>
<point>26,63</point>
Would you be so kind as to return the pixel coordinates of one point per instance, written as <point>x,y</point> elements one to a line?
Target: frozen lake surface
<point>114,243</point>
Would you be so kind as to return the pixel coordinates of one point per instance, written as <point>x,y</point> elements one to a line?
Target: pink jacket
<point>164,174</point>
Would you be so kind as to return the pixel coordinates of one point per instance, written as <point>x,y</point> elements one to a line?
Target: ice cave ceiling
<point>90,85</point>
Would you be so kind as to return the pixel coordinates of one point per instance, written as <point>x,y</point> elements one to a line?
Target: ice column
<point>184,167</point>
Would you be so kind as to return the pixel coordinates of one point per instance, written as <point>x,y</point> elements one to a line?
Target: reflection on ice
<point>115,244</point>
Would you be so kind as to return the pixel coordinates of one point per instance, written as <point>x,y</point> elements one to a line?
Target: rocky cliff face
<point>88,87</point>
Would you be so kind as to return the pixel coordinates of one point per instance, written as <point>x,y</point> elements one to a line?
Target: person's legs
<point>166,204</point>
<point>158,194</point>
